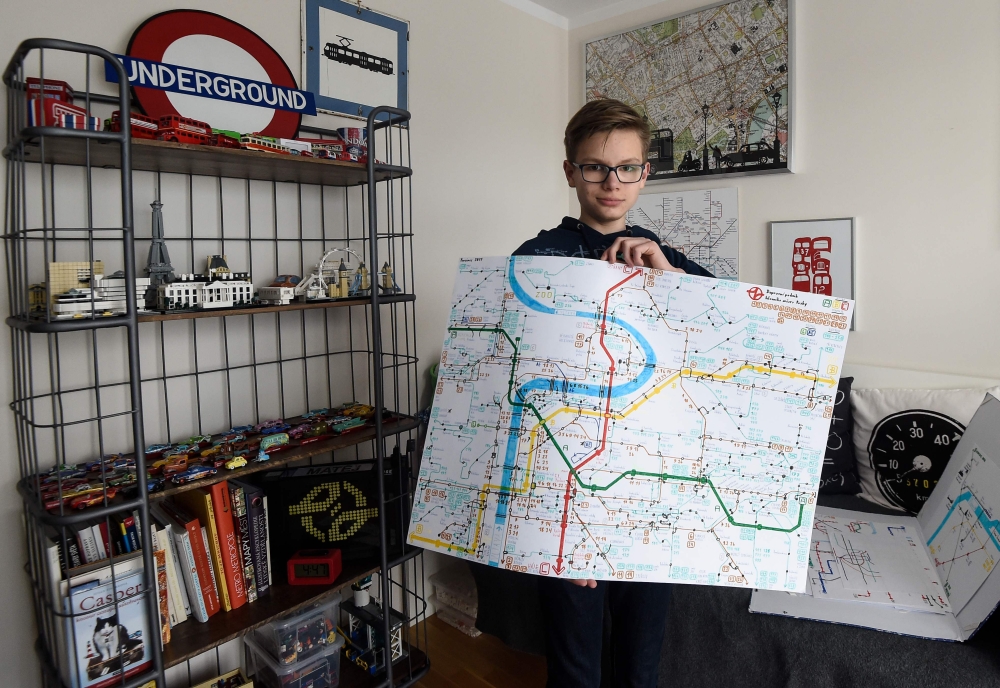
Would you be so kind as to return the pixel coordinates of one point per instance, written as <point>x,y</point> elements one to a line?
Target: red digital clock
<point>314,567</point>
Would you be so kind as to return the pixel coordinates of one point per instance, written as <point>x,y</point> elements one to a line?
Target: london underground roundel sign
<point>200,65</point>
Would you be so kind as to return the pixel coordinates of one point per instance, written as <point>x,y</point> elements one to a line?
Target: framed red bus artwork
<point>815,256</point>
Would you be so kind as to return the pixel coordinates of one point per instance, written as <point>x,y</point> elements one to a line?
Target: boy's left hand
<point>638,251</point>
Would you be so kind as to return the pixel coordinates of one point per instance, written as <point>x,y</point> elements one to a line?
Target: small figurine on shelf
<point>387,283</point>
<point>280,292</point>
<point>365,628</point>
<point>158,265</point>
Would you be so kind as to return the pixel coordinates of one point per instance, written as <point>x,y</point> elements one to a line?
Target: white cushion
<point>915,432</point>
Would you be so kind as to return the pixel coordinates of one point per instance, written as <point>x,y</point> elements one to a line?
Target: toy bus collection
<point>50,103</point>
<point>83,485</point>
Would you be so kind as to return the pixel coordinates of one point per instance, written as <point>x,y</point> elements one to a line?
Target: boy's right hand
<point>584,582</point>
<point>638,251</point>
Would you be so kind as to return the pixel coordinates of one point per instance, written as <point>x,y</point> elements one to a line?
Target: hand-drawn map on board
<point>703,225</point>
<point>599,421</point>
<point>713,84</point>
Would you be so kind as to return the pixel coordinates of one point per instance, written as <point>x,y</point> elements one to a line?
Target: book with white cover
<point>933,576</point>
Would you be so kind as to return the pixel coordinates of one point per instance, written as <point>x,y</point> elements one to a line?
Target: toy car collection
<point>194,458</point>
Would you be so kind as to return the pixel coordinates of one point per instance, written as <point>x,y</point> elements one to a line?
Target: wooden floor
<point>458,661</point>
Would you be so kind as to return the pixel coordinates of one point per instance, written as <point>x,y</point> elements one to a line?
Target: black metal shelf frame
<point>81,385</point>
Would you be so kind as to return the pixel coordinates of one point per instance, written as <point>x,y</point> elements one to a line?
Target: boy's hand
<point>584,582</point>
<point>638,251</point>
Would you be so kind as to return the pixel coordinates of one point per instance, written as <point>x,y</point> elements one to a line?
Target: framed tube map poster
<point>715,85</point>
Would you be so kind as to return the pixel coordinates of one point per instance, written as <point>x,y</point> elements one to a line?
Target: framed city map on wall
<point>715,85</point>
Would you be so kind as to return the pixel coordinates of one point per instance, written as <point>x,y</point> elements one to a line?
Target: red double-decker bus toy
<point>224,141</point>
<point>59,90</point>
<point>184,130</point>
<point>143,127</point>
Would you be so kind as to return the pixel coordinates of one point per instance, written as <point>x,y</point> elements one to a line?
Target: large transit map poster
<point>599,421</point>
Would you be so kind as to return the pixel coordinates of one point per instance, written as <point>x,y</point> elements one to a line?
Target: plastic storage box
<point>294,638</point>
<point>322,670</point>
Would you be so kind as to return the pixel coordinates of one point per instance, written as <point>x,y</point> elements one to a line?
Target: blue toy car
<point>194,473</point>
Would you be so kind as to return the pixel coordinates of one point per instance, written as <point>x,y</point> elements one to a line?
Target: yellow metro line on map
<point>686,372</point>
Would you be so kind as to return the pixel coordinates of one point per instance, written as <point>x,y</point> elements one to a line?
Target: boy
<point>606,144</point>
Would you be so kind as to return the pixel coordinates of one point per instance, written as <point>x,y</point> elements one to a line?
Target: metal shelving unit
<point>85,388</point>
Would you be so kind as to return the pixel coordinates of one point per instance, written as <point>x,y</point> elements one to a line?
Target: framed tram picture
<point>353,59</point>
<point>815,256</point>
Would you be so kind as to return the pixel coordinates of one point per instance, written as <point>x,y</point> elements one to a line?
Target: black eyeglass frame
<point>610,169</point>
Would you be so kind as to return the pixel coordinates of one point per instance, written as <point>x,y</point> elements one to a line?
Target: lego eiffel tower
<point>158,265</point>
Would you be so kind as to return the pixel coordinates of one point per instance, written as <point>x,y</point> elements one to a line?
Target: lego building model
<point>387,282</point>
<point>280,292</point>
<point>327,282</point>
<point>367,645</point>
<point>219,288</point>
<point>158,265</point>
<point>62,277</point>
<point>76,293</point>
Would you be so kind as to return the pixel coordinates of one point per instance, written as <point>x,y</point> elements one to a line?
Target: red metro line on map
<point>203,66</point>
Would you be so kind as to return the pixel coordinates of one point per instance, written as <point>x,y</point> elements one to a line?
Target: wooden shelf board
<point>389,427</point>
<point>191,638</point>
<point>254,310</point>
<point>185,158</point>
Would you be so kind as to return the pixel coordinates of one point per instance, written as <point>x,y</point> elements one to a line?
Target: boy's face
<point>603,204</point>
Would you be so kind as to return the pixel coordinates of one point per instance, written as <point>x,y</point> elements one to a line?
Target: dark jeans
<point>574,622</point>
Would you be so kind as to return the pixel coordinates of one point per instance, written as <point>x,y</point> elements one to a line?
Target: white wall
<point>488,94</point>
<point>897,104</point>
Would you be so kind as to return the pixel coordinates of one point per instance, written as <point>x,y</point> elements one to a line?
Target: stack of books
<point>211,550</point>
<point>215,546</point>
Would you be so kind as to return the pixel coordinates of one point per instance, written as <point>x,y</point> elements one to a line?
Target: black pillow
<point>840,475</point>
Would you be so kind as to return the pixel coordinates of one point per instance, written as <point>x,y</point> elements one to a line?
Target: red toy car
<point>83,501</point>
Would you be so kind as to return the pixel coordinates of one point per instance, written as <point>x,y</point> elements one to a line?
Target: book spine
<point>258,540</point>
<point>184,602</point>
<point>267,524</point>
<point>131,535</point>
<point>105,537</point>
<point>73,555</point>
<point>123,535</point>
<point>161,593</point>
<point>99,543</point>
<point>205,577</point>
<point>232,562</point>
<point>159,538</point>
<point>138,529</point>
<point>88,546</point>
<point>241,526</point>
<point>211,566</point>
<point>190,569</point>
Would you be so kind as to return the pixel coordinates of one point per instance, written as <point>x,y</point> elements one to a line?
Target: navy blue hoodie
<point>574,239</point>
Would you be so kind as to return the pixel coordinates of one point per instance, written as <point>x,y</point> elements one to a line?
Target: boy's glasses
<point>597,174</point>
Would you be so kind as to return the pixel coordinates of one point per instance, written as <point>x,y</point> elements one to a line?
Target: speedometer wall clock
<point>908,452</point>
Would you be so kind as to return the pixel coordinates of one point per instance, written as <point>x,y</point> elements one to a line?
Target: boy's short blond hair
<point>604,115</point>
